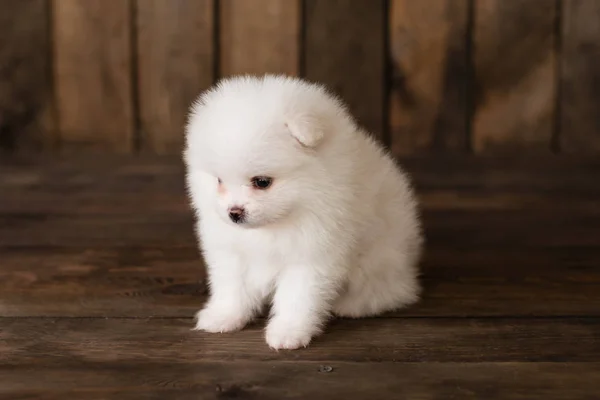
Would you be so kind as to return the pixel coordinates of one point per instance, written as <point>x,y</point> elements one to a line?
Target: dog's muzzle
<point>237,214</point>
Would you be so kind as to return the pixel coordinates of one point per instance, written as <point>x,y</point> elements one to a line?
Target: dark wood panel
<point>94,202</point>
<point>92,53</point>
<point>175,63</point>
<point>510,308</point>
<point>476,229</point>
<point>142,340</point>
<point>428,102</point>
<point>560,175</point>
<point>301,380</point>
<point>26,109</point>
<point>111,282</point>
<point>259,36</point>
<point>515,75</point>
<point>345,49</point>
<point>580,91</point>
<point>82,239</point>
<point>78,187</point>
<point>168,281</point>
<point>541,175</point>
<point>140,202</point>
<point>56,230</point>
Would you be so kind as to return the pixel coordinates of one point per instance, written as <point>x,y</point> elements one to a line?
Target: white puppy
<point>296,206</point>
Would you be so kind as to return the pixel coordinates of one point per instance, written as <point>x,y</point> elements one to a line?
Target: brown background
<point>491,104</point>
<point>426,76</point>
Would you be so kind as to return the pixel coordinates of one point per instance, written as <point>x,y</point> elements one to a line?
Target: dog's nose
<point>236,214</point>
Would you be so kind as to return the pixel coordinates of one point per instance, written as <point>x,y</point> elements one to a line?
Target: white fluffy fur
<point>336,233</point>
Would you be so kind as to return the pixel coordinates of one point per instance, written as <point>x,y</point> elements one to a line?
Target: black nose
<point>236,214</point>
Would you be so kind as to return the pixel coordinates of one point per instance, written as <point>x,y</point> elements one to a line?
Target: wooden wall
<point>426,76</point>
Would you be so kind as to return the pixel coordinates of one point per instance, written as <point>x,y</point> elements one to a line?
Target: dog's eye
<point>219,181</point>
<point>261,182</point>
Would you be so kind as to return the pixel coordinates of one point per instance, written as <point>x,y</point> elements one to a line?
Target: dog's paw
<point>218,320</point>
<point>281,335</point>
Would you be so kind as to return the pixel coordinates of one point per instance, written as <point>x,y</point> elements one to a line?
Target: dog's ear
<point>307,130</point>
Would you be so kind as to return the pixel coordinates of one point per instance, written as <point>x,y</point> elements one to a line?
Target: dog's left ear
<point>307,131</point>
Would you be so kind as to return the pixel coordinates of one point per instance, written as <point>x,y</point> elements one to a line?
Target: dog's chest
<point>271,250</point>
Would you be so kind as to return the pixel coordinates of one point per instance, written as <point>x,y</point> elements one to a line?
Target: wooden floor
<point>100,278</point>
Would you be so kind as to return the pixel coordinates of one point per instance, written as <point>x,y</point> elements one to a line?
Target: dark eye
<point>261,182</point>
<point>219,180</point>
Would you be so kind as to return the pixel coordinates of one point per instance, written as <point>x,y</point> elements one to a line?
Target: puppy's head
<point>252,144</point>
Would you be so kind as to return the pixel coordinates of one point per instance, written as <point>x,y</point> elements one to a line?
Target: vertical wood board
<point>259,36</point>
<point>580,90</point>
<point>26,110</point>
<point>515,75</point>
<point>428,102</point>
<point>174,65</point>
<point>92,50</point>
<point>345,50</point>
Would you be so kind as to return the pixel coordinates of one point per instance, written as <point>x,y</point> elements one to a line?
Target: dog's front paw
<point>219,320</point>
<point>282,335</point>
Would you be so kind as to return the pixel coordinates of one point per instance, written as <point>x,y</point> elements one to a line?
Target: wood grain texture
<point>85,240</point>
<point>580,90</point>
<point>345,50</point>
<point>89,200</point>
<point>100,277</point>
<point>79,173</point>
<point>259,36</point>
<point>162,379</point>
<point>515,75</point>
<point>26,108</point>
<point>428,101</point>
<point>516,227</point>
<point>175,63</point>
<point>144,340</point>
<point>168,280</point>
<point>92,50</point>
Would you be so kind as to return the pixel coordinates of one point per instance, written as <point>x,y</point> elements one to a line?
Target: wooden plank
<point>515,75</point>
<point>472,184</point>
<point>465,228</point>
<point>167,280</point>
<point>116,203</point>
<point>83,239</point>
<point>301,380</point>
<point>143,340</point>
<point>80,175</point>
<point>580,77</point>
<point>175,63</point>
<point>259,36</point>
<point>26,109</point>
<point>92,50</point>
<point>345,50</point>
<point>110,282</point>
<point>102,230</point>
<point>428,102</point>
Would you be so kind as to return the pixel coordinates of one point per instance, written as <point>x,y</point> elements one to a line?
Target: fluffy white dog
<point>296,206</point>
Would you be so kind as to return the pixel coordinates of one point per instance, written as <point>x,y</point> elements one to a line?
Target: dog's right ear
<point>307,131</point>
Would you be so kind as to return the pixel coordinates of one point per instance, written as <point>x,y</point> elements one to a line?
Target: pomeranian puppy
<point>296,206</point>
